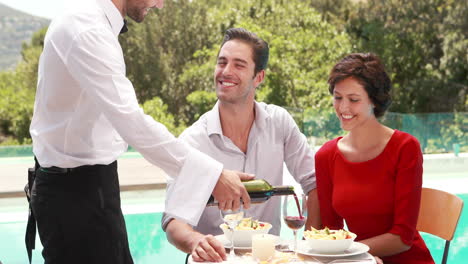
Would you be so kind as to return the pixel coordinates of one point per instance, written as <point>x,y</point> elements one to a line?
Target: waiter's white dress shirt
<point>86,110</point>
<point>274,139</point>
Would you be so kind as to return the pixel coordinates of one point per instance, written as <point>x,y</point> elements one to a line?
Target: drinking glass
<point>295,215</point>
<point>232,218</point>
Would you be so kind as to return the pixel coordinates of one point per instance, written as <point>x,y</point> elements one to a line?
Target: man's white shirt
<point>274,139</point>
<point>86,110</point>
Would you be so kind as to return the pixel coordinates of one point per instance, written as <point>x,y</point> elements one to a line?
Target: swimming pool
<point>142,211</point>
<point>148,242</point>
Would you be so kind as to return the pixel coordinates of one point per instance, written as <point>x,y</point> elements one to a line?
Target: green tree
<point>336,12</point>
<point>158,110</point>
<point>201,102</point>
<point>30,53</point>
<point>157,51</point>
<point>17,89</point>
<point>421,48</point>
<point>177,56</point>
<point>16,107</point>
<point>303,48</point>
<point>454,62</point>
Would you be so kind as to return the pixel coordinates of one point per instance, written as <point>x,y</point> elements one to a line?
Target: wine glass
<point>232,218</point>
<point>295,215</point>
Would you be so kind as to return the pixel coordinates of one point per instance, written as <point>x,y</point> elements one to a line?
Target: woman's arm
<point>328,216</point>
<point>313,211</point>
<point>408,184</point>
<point>385,245</point>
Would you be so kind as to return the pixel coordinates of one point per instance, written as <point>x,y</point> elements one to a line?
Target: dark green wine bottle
<point>260,191</point>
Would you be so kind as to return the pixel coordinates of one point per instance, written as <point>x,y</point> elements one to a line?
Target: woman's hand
<point>378,260</point>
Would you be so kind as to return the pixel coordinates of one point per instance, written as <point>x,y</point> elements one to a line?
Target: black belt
<point>57,170</point>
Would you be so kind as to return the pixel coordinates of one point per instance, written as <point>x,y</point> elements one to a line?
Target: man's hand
<point>229,190</point>
<point>202,247</point>
<point>209,249</point>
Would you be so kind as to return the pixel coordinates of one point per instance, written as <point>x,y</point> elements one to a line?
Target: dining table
<point>244,256</point>
<point>364,258</point>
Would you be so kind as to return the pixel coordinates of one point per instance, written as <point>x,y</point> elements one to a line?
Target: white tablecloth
<point>364,258</point>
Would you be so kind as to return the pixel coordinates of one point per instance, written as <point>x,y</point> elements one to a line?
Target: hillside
<point>16,27</point>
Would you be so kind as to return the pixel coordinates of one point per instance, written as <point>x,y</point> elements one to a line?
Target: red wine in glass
<point>295,222</point>
<point>298,205</point>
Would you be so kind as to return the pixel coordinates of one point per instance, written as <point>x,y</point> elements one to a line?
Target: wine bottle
<point>260,191</point>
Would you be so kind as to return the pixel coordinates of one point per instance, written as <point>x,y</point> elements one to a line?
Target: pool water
<point>148,243</point>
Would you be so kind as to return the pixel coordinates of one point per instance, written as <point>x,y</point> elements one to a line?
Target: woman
<point>371,177</point>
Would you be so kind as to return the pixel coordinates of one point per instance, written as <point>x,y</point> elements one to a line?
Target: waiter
<point>85,115</point>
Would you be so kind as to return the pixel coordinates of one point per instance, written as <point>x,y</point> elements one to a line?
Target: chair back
<point>439,214</point>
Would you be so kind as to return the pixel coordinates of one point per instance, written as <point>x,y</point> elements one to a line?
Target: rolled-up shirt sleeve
<point>96,62</point>
<point>298,156</point>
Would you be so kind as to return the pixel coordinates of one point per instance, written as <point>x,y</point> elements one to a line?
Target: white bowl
<point>243,238</point>
<point>330,246</point>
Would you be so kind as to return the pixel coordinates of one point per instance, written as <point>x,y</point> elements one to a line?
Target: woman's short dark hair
<point>260,48</point>
<point>369,71</point>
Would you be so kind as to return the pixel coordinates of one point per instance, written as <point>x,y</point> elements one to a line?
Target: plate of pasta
<point>329,241</point>
<point>356,248</point>
<point>244,231</point>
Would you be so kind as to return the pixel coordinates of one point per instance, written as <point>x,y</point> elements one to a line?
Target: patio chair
<point>439,214</point>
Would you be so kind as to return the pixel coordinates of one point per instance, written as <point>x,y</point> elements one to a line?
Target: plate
<point>227,244</point>
<point>356,248</point>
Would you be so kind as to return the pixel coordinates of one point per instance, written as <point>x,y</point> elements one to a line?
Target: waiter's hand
<point>209,249</point>
<point>229,190</point>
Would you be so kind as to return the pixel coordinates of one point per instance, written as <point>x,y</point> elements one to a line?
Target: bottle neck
<point>283,190</point>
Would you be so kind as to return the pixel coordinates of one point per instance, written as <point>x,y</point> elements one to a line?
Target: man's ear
<point>259,77</point>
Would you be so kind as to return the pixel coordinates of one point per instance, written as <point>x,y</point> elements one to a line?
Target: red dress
<point>374,197</point>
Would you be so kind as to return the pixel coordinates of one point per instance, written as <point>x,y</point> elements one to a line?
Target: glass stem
<point>231,253</point>
<point>295,243</point>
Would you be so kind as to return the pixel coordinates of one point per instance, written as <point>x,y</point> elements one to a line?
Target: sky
<point>43,8</point>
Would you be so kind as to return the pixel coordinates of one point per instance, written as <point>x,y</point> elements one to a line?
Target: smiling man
<point>85,115</point>
<point>247,136</point>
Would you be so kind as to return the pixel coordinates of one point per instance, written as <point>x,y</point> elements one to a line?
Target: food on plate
<point>245,230</point>
<point>327,234</point>
<point>249,224</point>
<point>329,241</point>
<point>234,217</point>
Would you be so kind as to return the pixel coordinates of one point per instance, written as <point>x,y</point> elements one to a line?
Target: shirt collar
<point>214,122</point>
<point>213,125</point>
<point>113,15</point>
<point>261,115</point>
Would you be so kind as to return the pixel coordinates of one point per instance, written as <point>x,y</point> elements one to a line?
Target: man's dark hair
<point>369,71</point>
<point>260,49</point>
